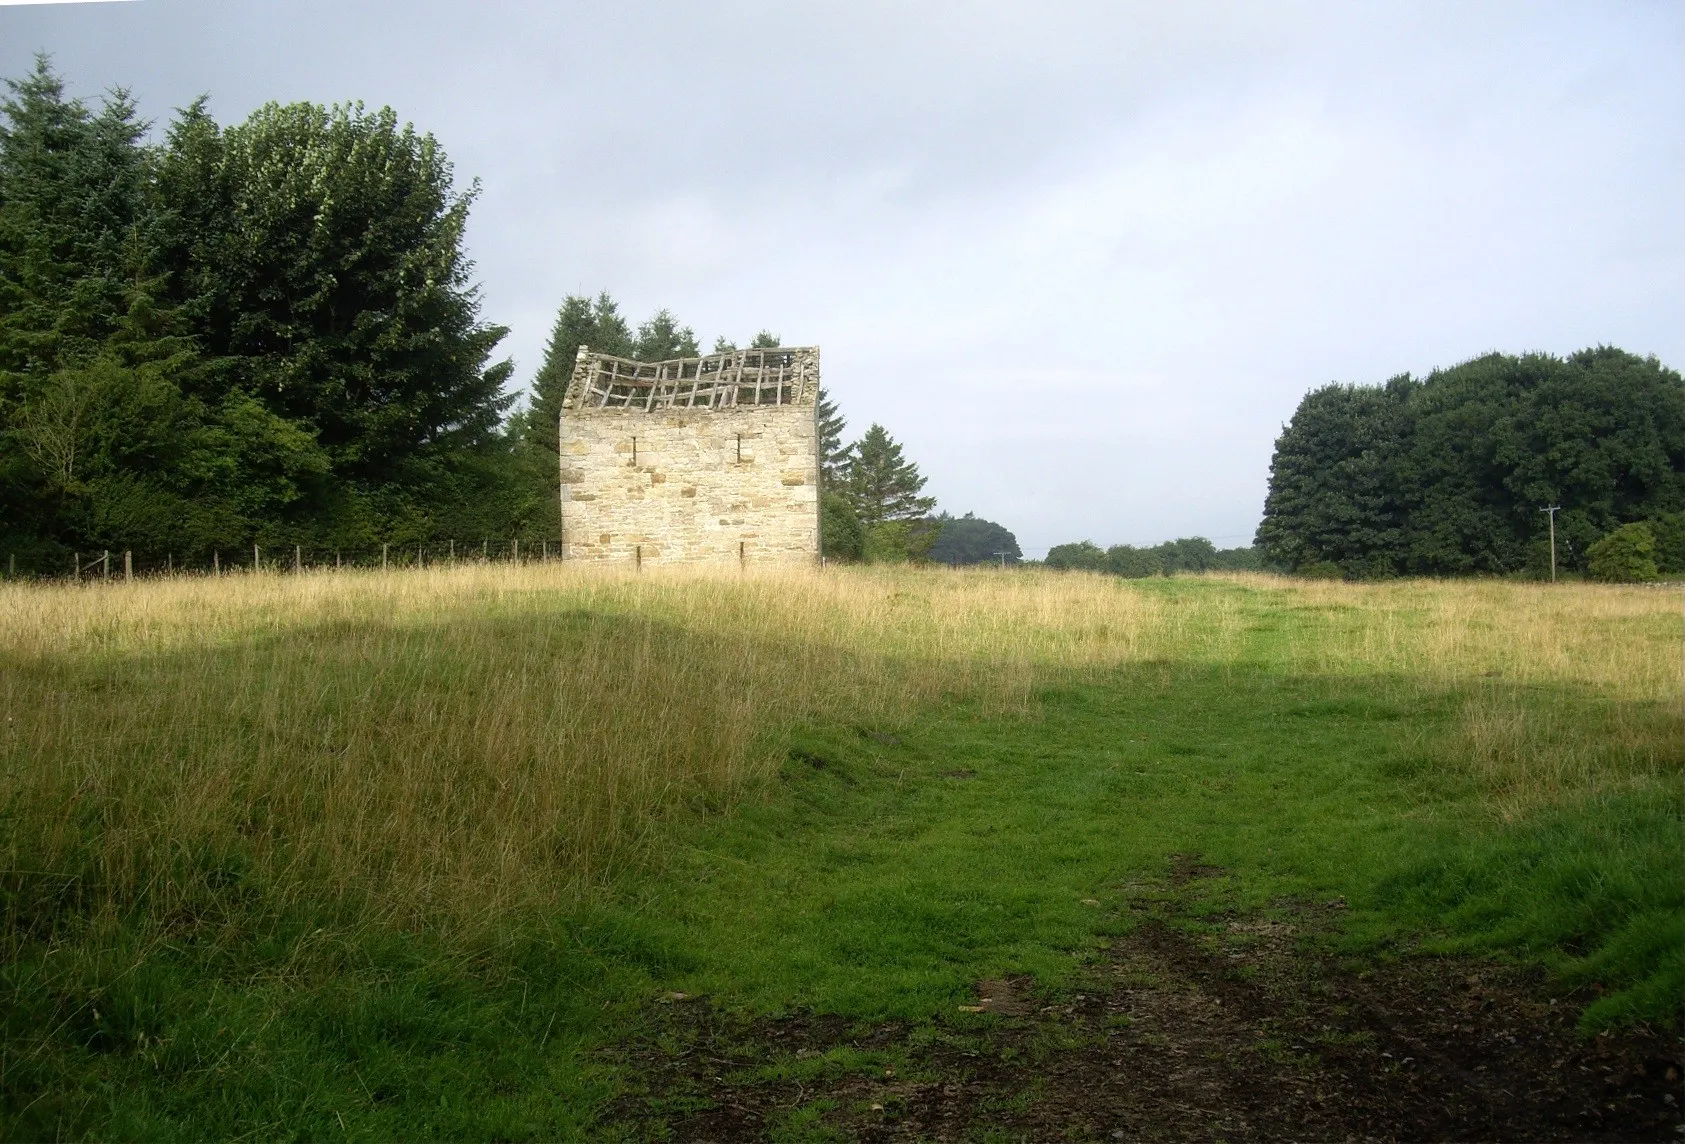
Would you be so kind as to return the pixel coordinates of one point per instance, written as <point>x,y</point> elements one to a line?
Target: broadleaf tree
<point>266,332</point>
<point>1448,474</point>
<point>969,540</point>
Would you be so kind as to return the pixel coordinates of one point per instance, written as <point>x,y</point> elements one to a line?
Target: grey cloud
<point>1083,258</point>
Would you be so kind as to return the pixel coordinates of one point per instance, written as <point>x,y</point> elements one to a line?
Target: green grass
<point>871,879</point>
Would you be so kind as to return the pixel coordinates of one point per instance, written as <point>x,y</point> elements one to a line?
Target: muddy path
<point>1233,1030</point>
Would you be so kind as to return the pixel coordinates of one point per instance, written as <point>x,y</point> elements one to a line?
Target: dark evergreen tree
<point>1334,494</point>
<point>105,440</point>
<point>883,485</point>
<point>833,455</point>
<point>662,338</point>
<point>765,340</point>
<point>581,321</point>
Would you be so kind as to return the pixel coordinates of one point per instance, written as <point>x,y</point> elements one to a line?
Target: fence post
<point>298,558</point>
<point>78,565</point>
<point>418,556</point>
<point>216,562</point>
<point>257,559</point>
<point>128,564</point>
<point>105,565</point>
<point>453,552</point>
<point>544,552</point>
<point>485,550</point>
<point>515,551</point>
<point>383,549</point>
<point>12,566</point>
<point>336,558</point>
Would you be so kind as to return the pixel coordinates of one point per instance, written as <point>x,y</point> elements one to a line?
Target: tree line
<point>1188,554</point>
<point>261,334</point>
<point>1452,474</point>
<point>266,337</point>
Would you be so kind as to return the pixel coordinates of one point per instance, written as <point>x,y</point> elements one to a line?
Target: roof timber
<point>787,375</point>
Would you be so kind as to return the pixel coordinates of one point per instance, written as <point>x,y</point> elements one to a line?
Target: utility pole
<point>1552,510</point>
<point>1002,555</point>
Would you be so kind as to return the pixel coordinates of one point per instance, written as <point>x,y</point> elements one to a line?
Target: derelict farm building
<point>705,459</point>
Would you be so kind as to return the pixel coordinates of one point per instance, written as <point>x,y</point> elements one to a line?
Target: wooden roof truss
<point>782,376</point>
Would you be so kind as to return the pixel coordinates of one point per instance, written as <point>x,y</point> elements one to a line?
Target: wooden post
<point>638,557</point>
<point>105,565</point>
<point>298,558</point>
<point>418,556</point>
<point>742,557</point>
<point>78,565</point>
<point>383,549</point>
<point>12,566</point>
<point>485,549</point>
<point>515,551</point>
<point>257,559</point>
<point>453,552</point>
<point>216,562</point>
<point>128,565</point>
<point>544,552</point>
<point>336,559</point>
<point>170,564</point>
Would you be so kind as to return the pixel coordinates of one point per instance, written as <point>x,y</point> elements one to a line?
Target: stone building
<point>712,459</point>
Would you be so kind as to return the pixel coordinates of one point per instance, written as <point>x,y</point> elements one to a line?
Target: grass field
<point>394,854</point>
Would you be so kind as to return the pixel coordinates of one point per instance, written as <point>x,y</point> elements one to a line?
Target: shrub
<point>1627,555</point>
<point>839,528</point>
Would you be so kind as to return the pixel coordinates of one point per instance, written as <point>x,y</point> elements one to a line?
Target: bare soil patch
<point>1238,1031</point>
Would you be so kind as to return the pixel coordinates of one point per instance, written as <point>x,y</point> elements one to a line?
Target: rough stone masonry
<point>697,460</point>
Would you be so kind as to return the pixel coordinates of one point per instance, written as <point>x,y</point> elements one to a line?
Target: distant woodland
<point>1451,474</point>
<point>1189,554</point>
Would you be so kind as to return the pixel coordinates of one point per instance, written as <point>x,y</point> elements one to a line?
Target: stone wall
<point>716,483</point>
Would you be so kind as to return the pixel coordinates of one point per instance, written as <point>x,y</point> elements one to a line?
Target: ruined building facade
<point>711,459</point>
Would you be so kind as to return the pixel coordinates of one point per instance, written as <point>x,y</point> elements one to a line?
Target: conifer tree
<point>881,484</point>
<point>833,456</point>
<point>580,322</point>
<point>662,338</point>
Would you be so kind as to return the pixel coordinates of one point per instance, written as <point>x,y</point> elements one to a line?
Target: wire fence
<point>127,564</point>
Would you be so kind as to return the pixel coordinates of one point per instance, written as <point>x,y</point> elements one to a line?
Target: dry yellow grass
<point>449,745</point>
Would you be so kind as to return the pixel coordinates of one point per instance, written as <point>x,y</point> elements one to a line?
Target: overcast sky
<point>1082,259</point>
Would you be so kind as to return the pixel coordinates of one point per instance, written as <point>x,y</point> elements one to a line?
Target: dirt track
<point>1235,1035</point>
